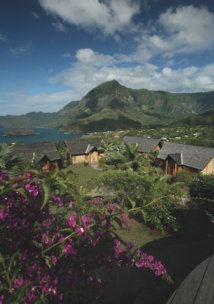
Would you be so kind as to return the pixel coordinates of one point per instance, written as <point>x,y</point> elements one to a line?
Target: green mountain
<point>111,106</point>
<point>205,119</point>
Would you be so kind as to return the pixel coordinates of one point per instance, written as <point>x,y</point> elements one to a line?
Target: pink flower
<point>69,250</point>
<point>53,260</point>
<point>71,221</point>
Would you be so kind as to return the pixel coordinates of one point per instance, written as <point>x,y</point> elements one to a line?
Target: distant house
<point>145,144</point>
<point>84,150</point>
<point>174,157</point>
<point>45,155</point>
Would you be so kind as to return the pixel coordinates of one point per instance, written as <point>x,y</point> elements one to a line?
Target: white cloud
<point>89,57</point>
<point>186,29</point>
<point>20,50</point>
<point>59,27</point>
<point>16,103</point>
<point>93,68</point>
<point>106,16</point>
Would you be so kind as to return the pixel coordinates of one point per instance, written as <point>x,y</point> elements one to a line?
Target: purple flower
<point>53,260</point>
<point>69,249</point>
<point>71,221</point>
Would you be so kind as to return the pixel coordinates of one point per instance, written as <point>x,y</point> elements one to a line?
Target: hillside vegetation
<point>111,106</point>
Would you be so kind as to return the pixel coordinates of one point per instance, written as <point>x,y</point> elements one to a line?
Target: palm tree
<point>129,158</point>
<point>9,162</point>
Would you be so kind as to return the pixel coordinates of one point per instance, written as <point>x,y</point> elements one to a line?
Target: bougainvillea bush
<point>44,256</point>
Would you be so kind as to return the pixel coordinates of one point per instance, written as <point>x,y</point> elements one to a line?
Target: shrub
<point>160,216</point>
<point>45,257</point>
<point>202,192</point>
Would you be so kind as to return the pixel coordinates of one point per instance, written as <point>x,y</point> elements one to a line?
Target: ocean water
<point>43,135</point>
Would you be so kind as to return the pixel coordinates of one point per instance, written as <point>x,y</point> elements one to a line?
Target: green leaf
<point>62,188</point>
<point>55,173</point>
<point>62,250</point>
<point>48,260</point>
<point>21,290</point>
<point>32,171</point>
<point>67,229</point>
<point>21,191</point>
<point>11,261</point>
<point>46,194</point>
<point>14,273</point>
<point>133,203</point>
<point>144,214</point>
<point>38,245</point>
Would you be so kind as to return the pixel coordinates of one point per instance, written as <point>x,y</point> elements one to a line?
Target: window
<point>74,158</point>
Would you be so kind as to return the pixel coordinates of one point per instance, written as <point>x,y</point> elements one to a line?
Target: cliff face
<point>21,131</point>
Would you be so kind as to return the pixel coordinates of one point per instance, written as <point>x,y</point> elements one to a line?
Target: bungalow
<point>84,150</point>
<point>174,157</point>
<point>146,144</point>
<point>45,155</point>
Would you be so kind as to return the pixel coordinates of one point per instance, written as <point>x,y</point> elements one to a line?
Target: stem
<point>60,242</point>
<point>5,271</point>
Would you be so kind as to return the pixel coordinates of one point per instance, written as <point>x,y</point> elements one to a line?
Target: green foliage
<point>126,184</point>
<point>129,158</point>
<point>142,189</point>
<point>9,162</point>
<point>202,192</point>
<point>202,186</point>
<point>183,176</point>
<point>160,217</point>
<point>63,153</point>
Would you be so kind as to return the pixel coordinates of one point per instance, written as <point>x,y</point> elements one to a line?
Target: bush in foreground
<point>46,260</point>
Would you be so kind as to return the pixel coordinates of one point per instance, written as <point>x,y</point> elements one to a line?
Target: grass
<point>85,175</point>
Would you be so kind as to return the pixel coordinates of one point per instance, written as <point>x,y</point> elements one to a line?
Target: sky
<point>53,52</point>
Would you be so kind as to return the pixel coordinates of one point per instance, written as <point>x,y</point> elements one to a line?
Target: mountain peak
<point>110,94</point>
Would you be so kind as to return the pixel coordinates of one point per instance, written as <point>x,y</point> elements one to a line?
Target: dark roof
<point>177,157</point>
<point>82,146</point>
<point>41,150</point>
<point>193,156</point>
<point>146,144</point>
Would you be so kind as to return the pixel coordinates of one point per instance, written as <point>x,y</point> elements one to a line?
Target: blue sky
<point>55,51</point>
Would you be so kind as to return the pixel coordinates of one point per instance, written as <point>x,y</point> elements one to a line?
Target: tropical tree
<point>129,157</point>
<point>9,162</point>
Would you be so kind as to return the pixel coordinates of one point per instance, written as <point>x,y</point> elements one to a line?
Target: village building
<point>84,150</point>
<point>174,157</point>
<point>44,155</point>
<point>145,144</point>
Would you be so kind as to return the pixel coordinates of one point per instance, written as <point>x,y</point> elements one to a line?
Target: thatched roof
<point>146,144</point>
<point>190,156</point>
<point>26,152</point>
<point>82,146</point>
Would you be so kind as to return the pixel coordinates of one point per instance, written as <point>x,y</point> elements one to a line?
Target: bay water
<point>42,135</point>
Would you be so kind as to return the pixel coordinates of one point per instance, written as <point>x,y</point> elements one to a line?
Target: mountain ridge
<point>111,106</point>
